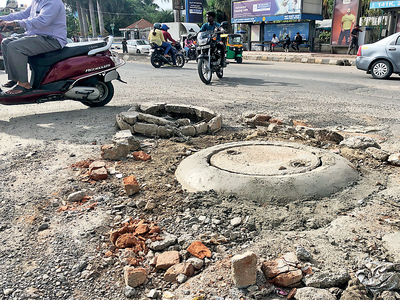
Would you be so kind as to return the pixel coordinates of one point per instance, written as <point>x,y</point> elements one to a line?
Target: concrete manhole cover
<point>264,160</point>
<point>266,171</point>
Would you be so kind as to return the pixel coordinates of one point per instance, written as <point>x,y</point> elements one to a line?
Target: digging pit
<point>266,171</point>
<point>167,120</point>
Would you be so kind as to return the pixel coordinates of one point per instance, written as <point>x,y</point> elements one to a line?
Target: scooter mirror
<point>224,24</point>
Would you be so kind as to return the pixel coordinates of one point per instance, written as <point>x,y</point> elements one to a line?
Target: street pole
<point>112,28</point>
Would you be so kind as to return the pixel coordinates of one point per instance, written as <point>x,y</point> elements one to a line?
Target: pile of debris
<point>167,120</point>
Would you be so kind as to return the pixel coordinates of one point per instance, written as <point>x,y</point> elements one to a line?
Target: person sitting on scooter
<point>189,42</point>
<point>156,37</point>
<point>168,37</point>
<point>46,30</point>
<point>210,26</point>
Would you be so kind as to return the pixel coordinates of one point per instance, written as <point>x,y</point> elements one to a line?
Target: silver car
<point>380,59</point>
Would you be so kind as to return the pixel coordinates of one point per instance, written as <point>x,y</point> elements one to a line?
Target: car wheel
<point>381,69</point>
<point>137,51</point>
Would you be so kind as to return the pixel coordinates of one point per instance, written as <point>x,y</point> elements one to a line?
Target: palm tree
<point>92,18</point>
<point>100,16</point>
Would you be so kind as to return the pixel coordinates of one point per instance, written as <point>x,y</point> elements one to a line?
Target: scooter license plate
<point>203,47</point>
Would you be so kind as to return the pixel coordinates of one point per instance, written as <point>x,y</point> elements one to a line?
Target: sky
<point>163,4</point>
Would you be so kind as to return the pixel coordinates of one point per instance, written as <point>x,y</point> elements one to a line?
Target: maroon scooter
<point>80,71</point>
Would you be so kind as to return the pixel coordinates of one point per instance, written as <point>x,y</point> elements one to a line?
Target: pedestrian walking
<point>354,39</point>
<point>124,46</point>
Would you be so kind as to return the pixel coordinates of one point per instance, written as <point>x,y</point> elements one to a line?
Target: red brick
<point>283,271</point>
<point>167,260</point>
<point>199,250</point>
<point>96,165</point>
<point>131,185</point>
<point>140,155</point>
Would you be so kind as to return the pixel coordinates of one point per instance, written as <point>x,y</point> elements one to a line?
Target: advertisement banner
<point>343,22</point>
<point>257,8</point>
<point>280,30</point>
<point>255,33</point>
<point>194,11</point>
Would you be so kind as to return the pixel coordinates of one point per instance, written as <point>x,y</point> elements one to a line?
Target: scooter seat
<point>70,50</point>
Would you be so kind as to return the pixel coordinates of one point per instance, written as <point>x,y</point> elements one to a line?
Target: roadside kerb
<point>299,58</point>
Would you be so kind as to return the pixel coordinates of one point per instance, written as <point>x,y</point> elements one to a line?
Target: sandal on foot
<point>23,90</point>
<point>9,84</point>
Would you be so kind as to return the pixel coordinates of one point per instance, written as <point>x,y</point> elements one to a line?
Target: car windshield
<point>141,42</point>
<point>236,40</point>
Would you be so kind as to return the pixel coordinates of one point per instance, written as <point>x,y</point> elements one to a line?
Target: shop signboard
<point>194,11</point>
<point>345,14</point>
<point>383,4</point>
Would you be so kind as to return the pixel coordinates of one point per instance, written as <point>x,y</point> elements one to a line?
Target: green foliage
<point>325,37</point>
<point>122,13</point>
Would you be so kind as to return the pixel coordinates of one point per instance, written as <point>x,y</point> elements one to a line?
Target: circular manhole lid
<point>265,160</point>
<point>266,171</point>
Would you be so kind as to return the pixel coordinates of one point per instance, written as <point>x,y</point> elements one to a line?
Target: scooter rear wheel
<point>106,93</point>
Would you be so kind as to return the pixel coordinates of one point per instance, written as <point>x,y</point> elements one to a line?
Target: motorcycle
<point>80,71</point>
<point>211,57</point>
<point>191,54</point>
<point>158,59</point>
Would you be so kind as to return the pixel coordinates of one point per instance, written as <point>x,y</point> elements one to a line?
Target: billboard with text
<point>194,11</point>
<point>281,29</point>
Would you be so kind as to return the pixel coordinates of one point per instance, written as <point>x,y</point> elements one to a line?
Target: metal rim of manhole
<point>266,171</point>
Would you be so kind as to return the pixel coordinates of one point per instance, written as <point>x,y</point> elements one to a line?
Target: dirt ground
<point>53,249</point>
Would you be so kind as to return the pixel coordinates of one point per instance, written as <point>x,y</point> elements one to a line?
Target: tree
<point>92,18</point>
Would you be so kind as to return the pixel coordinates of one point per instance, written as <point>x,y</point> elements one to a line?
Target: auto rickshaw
<point>234,46</point>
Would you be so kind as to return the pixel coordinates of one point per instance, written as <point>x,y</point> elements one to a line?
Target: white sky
<point>163,4</point>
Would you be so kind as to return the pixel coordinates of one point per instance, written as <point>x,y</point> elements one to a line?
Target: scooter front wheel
<point>180,61</point>
<point>205,73</point>
<point>106,90</point>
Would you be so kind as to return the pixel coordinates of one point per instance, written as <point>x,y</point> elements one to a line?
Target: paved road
<point>325,96</point>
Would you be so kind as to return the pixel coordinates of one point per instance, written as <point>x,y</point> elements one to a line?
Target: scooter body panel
<point>76,67</point>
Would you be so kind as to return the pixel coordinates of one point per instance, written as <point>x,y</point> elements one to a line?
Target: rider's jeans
<point>166,46</point>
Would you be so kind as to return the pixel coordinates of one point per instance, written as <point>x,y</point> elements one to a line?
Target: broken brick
<point>283,271</point>
<point>182,268</point>
<point>199,250</point>
<point>167,260</point>
<point>96,165</point>
<point>131,185</point>
<point>99,174</point>
<point>134,276</point>
<point>140,155</point>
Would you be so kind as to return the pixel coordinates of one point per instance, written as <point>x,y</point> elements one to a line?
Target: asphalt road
<point>322,95</point>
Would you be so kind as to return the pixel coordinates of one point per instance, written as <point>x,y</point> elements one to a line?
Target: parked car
<point>138,46</point>
<point>380,59</point>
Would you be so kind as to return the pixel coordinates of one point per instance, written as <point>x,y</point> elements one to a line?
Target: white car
<point>138,46</point>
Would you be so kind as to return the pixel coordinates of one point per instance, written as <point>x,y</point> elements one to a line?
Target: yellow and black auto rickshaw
<point>234,46</point>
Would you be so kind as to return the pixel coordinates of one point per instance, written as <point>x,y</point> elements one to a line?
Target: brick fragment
<point>134,276</point>
<point>199,250</point>
<point>140,155</point>
<point>131,185</point>
<point>182,268</point>
<point>167,260</point>
<point>99,174</point>
<point>244,269</point>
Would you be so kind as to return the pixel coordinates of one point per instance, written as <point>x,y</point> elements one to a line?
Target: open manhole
<point>266,171</point>
<point>167,120</point>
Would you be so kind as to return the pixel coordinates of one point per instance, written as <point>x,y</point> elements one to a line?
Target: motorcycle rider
<point>46,30</point>
<point>189,42</point>
<point>156,37</point>
<point>210,26</point>
<point>168,37</point>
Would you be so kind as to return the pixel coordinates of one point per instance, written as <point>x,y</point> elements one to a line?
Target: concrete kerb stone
<point>166,120</point>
